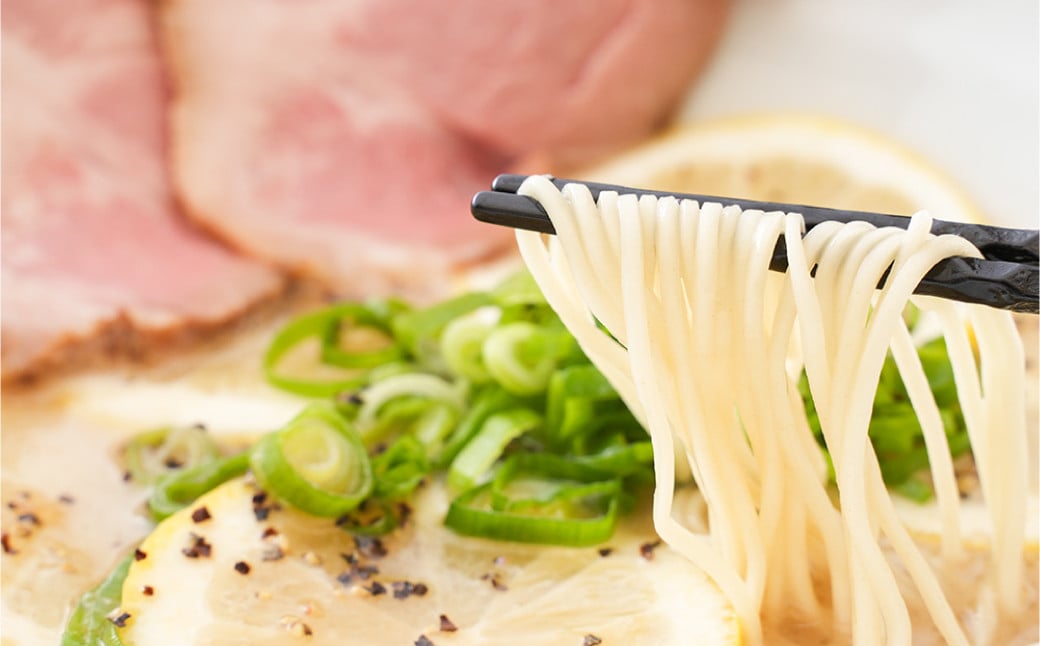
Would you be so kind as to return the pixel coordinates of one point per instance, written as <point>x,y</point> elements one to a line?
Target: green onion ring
<point>508,351</point>
<point>176,491</point>
<point>399,469</point>
<point>374,315</point>
<point>314,325</point>
<point>462,348</point>
<point>418,330</point>
<point>413,384</point>
<point>316,463</point>
<point>470,520</point>
<point>147,454</point>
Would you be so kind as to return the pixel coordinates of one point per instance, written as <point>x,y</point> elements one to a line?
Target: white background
<point>956,80</point>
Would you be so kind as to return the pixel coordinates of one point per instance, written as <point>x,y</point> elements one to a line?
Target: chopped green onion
<point>915,489</point>
<point>462,347</point>
<point>434,425</point>
<point>400,469</point>
<point>549,466</point>
<point>522,356</point>
<point>176,491</point>
<point>387,370</point>
<point>455,390</point>
<point>476,459</point>
<point>316,463</point>
<point>324,326</point>
<point>573,512</point>
<point>580,402</point>
<point>488,401</point>
<point>426,386</point>
<point>895,431</point>
<point>519,289</point>
<point>153,454</point>
<point>89,624</point>
<point>418,331</point>
<point>397,416</point>
<point>351,317</point>
<point>557,499</point>
<point>468,516</point>
<point>626,460</point>
<point>520,299</point>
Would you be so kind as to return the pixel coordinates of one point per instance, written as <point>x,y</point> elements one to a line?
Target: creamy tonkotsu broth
<point>707,346</point>
<point>61,463</point>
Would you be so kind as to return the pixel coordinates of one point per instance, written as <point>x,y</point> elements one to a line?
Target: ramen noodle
<point>674,302</point>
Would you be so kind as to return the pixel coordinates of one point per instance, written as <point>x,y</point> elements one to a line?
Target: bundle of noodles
<point>673,301</point>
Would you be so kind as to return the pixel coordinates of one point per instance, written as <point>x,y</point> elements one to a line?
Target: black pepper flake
<point>198,548</point>
<point>354,398</point>
<point>376,588</point>
<point>140,555</point>
<point>5,542</point>
<point>370,547</point>
<point>269,532</point>
<point>423,641</point>
<point>402,589</point>
<point>356,571</point>
<point>260,509</point>
<point>591,640</point>
<point>404,513</point>
<point>66,499</point>
<point>405,589</point>
<point>172,463</point>
<point>646,550</point>
<point>605,551</point>
<point>119,619</point>
<point>147,590</point>
<point>200,515</point>
<point>496,582</point>
<point>242,567</point>
<point>29,518</point>
<point>127,476</point>
<point>12,504</point>
<point>447,625</point>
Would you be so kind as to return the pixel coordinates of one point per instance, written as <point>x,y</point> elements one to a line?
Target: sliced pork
<point>94,255</point>
<point>344,139</point>
<point>572,78</point>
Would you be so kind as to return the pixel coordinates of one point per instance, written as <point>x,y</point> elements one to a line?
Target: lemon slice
<point>806,159</point>
<point>922,520</point>
<point>824,162</point>
<point>222,581</point>
<point>790,159</point>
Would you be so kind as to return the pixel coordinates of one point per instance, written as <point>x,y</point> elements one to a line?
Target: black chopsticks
<point>1006,277</point>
